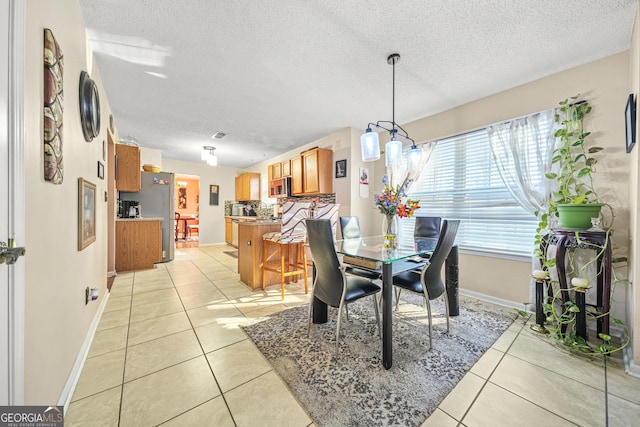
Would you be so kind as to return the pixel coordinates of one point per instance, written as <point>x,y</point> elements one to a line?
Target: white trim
<point>494,300</point>
<point>491,254</point>
<point>16,200</point>
<point>630,367</point>
<point>74,376</point>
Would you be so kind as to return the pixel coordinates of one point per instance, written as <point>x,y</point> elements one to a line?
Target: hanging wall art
<point>53,97</point>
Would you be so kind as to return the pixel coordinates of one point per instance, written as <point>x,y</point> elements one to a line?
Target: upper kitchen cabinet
<point>279,170</point>
<point>127,168</point>
<point>248,187</point>
<point>311,172</point>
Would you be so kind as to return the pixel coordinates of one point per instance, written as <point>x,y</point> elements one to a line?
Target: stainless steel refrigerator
<point>156,198</point>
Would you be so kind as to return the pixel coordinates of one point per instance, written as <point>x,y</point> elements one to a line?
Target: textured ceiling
<point>274,75</point>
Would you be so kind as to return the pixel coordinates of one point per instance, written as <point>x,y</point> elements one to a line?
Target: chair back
<point>328,211</point>
<point>329,278</point>
<point>427,226</point>
<point>350,227</point>
<point>293,226</point>
<point>177,215</point>
<point>431,275</point>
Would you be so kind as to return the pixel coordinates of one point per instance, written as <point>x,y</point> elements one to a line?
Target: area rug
<point>355,390</point>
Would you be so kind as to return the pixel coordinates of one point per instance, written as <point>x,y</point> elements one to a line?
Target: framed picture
<point>86,213</point>
<point>100,170</point>
<point>630,122</point>
<point>214,190</point>
<point>341,168</point>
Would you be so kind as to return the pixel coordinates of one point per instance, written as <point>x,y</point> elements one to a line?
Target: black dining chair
<point>330,283</point>
<point>429,281</point>
<point>427,227</point>
<point>350,229</point>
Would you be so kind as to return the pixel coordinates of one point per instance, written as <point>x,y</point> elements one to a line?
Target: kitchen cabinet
<point>138,243</point>
<point>248,187</point>
<point>127,168</point>
<point>250,255</point>
<point>276,170</point>
<point>285,168</point>
<point>228,230</point>
<point>296,176</point>
<point>311,173</point>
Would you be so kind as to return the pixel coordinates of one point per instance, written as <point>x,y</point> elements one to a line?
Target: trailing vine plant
<point>572,164</point>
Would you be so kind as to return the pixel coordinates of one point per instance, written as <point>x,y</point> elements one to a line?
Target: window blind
<point>461,181</point>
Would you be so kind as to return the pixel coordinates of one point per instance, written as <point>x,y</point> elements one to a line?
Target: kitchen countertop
<point>141,219</point>
<point>258,222</point>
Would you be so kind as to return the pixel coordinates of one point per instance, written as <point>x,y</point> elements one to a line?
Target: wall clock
<point>89,107</point>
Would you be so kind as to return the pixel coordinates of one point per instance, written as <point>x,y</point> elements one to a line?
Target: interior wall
<point>634,199</point>
<point>211,217</point>
<point>56,317</point>
<point>605,83</point>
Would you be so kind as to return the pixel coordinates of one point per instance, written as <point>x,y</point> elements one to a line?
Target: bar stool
<point>290,246</point>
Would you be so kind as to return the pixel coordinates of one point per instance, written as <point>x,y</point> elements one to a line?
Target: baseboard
<point>630,367</point>
<point>494,300</point>
<point>74,376</point>
<point>111,273</point>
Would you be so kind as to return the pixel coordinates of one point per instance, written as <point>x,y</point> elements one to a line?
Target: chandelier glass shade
<point>370,146</point>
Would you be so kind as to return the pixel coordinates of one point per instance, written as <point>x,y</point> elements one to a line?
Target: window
<point>461,181</point>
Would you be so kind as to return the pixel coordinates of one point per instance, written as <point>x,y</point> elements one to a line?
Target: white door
<point>11,201</point>
<point>4,199</point>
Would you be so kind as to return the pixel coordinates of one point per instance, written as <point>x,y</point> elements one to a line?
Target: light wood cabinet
<point>296,176</point>
<point>127,168</point>
<point>276,171</point>
<point>250,252</point>
<point>286,168</point>
<point>311,173</point>
<point>138,244</point>
<point>228,230</point>
<point>248,187</point>
<point>279,170</point>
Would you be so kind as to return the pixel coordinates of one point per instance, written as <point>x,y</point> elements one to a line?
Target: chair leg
<point>282,271</point>
<point>375,307</point>
<point>446,308</point>
<point>338,326</point>
<point>430,325</point>
<point>398,291</point>
<point>304,266</point>
<point>309,319</point>
<point>265,252</point>
<point>346,310</point>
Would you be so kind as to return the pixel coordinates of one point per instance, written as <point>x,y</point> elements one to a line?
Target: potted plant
<point>574,201</point>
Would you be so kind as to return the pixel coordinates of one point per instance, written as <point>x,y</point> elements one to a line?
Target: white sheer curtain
<point>522,150</point>
<point>399,173</point>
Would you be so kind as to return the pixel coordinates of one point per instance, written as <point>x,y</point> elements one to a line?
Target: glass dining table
<point>371,251</point>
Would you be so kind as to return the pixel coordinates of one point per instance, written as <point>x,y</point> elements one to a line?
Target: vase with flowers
<point>391,205</point>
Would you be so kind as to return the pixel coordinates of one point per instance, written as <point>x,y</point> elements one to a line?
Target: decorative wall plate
<point>89,107</point>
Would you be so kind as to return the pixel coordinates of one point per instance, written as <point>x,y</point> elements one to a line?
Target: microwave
<point>280,187</point>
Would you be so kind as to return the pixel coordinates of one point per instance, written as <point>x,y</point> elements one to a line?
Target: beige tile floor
<point>168,350</point>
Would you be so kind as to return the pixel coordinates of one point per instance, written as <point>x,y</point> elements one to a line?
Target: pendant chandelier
<point>207,154</point>
<point>369,142</point>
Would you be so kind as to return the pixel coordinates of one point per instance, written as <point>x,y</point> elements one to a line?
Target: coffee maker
<point>128,209</point>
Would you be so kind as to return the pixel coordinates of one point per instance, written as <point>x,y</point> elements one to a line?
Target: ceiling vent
<point>219,135</point>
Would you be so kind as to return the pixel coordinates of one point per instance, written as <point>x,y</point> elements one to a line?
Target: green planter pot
<point>578,217</point>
